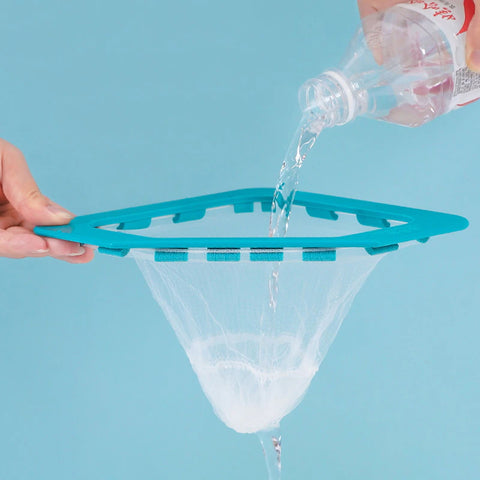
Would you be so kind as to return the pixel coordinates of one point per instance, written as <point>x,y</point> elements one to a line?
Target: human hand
<point>472,50</point>
<point>22,206</point>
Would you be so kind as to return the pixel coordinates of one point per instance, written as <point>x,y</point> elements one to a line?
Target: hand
<point>366,7</point>
<point>22,206</point>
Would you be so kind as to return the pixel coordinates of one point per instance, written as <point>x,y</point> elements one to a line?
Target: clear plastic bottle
<point>405,66</point>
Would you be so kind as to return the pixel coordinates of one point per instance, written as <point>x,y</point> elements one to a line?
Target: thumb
<point>473,41</point>
<point>21,190</point>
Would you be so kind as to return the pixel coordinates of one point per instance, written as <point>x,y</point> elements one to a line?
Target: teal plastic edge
<point>316,255</point>
<point>418,224</point>
<point>264,255</point>
<point>223,255</point>
<point>172,256</point>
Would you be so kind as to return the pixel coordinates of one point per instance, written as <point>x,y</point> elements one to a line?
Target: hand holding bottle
<point>405,65</point>
<point>472,49</point>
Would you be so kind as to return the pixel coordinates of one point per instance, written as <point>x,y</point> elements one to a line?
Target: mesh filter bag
<point>255,360</point>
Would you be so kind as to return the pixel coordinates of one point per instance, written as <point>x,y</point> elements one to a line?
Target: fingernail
<point>59,212</point>
<point>79,252</point>
<point>42,250</point>
<point>474,60</point>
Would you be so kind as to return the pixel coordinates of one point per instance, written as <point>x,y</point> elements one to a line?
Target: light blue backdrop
<point>125,103</point>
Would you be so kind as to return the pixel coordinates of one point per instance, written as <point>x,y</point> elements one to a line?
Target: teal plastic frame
<point>418,225</point>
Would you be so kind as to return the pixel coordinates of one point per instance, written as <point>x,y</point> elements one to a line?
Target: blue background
<point>125,103</point>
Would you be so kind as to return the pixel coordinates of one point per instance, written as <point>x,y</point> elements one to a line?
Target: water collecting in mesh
<point>253,360</point>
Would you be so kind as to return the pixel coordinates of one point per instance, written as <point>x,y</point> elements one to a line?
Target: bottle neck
<point>332,96</point>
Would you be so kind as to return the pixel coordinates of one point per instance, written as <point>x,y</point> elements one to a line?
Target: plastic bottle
<point>405,65</point>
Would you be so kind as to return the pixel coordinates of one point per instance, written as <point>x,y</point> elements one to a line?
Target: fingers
<point>60,248</point>
<point>9,217</point>
<point>367,7</point>
<point>372,26</point>
<point>22,191</point>
<point>473,41</point>
<point>84,258</point>
<point>19,242</point>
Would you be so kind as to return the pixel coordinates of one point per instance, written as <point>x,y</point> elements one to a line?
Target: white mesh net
<point>255,363</point>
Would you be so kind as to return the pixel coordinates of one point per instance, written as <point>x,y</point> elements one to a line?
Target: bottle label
<point>453,18</point>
